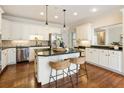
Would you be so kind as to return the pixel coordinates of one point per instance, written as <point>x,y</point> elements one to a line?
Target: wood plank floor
<point>22,76</point>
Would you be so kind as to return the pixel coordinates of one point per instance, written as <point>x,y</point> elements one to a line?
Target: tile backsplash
<point>16,43</point>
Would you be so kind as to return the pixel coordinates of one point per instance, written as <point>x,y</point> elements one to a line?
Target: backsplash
<point>17,43</point>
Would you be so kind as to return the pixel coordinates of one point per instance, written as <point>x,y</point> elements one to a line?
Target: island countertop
<point>50,52</point>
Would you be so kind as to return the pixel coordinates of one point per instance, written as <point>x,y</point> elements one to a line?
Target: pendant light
<point>64,25</point>
<point>46,14</point>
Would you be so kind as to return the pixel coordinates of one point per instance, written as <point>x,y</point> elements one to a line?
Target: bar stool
<point>60,65</point>
<point>79,62</point>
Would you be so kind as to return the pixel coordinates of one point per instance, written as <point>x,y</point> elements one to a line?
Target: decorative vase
<point>116,47</point>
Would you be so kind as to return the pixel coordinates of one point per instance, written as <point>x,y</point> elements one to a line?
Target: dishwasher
<point>22,55</point>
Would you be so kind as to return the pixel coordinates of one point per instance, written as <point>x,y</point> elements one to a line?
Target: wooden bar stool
<point>60,65</point>
<point>79,62</point>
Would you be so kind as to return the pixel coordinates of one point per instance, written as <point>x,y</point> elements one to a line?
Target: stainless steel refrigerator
<point>55,40</point>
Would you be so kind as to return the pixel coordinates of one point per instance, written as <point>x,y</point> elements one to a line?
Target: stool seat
<point>80,60</point>
<point>59,65</point>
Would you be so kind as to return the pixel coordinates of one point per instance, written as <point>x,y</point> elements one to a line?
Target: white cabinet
<point>92,55</point>
<point>4,58</point>
<point>103,57</point>
<point>15,30</point>
<point>89,55</point>
<point>8,57</point>
<point>95,56</point>
<point>6,28</point>
<point>1,12</point>
<point>115,59</point>
<point>11,56</point>
<point>31,54</point>
<point>110,59</point>
<point>84,32</point>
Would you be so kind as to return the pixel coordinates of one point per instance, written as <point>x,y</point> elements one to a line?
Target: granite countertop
<point>102,47</point>
<point>49,52</point>
<point>107,47</point>
<point>6,47</point>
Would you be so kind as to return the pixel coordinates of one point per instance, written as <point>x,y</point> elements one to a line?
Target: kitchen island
<point>43,57</point>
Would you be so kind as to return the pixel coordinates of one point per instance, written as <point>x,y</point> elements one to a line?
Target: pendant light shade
<point>64,25</point>
<point>46,14</point>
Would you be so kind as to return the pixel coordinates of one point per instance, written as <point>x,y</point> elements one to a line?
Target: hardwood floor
<point>19,76</point>
<point>22,76</point>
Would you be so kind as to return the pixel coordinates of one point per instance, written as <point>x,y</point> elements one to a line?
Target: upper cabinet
<point>1,12</point>
<point>84,32</point>
<point>14,30</point>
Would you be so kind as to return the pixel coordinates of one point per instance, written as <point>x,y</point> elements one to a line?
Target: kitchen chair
<point>60,65</point>
<point>80,65</point>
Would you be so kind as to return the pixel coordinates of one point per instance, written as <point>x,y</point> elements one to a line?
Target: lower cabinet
<point>115,60</point>
<point>8,57</point>
<point>104,58</point>
<point>4,58</point>
<point>11,56</point>
<point>110,59</point>
<point>92,55</point>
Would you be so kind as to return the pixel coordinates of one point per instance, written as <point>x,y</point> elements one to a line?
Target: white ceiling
<point>84,13</point>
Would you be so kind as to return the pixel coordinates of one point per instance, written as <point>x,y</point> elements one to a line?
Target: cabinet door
<point>4,58</point>
<point>84,32</point>
<point>104,58</point>
<point>88,55</point>
<point>12,56</point>
<point>31,54</point>
<point>95,56</point>
<point>6,28</point>
<point>115,60</point>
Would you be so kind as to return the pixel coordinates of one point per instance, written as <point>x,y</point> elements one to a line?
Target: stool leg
<point>56,79</point>
<point>70,77</point>
<point>50,77</point>
<point>77,73</point>
<point>86,69</point>
<point>63,75</point>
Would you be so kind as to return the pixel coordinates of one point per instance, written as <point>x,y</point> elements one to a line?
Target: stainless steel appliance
<point>22,54</point>
<point>55,40</point>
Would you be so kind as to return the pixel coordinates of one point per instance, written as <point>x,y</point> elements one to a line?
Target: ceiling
<point>84,12</point>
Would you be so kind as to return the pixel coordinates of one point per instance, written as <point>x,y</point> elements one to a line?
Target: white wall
<point>123,40</point>
<point>109,19</point>
<point>114,34</point>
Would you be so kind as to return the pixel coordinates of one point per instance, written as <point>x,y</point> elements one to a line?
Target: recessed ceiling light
<point>56,17</point>
<point>42,13</point>
<point>75,13</point>
<point>94,9</point>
